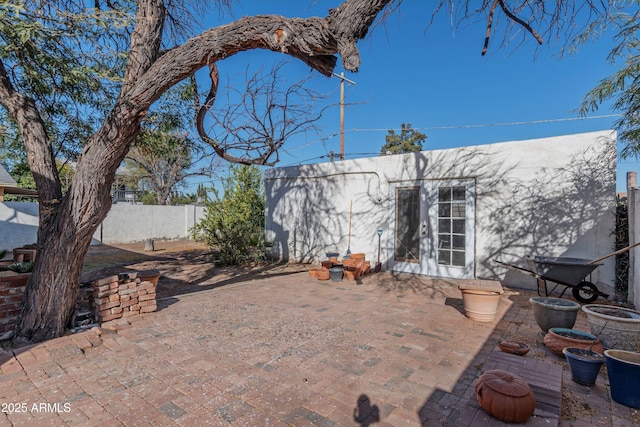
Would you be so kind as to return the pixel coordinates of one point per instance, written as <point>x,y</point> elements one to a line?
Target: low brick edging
<point>123,296</point>
<point>12,286</point>
<point>111,298</point>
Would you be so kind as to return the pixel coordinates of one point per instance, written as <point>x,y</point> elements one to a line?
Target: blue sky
<point>436,79</point>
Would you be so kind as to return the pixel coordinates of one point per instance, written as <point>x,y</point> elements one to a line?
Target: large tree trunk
<point>64,238</point>
<point>67,223</point>
<point>52,291</point>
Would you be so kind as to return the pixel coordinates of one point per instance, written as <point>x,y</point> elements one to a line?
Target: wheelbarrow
<point>568,272</point>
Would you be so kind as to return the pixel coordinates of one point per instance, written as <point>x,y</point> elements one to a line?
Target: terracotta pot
<point>358,256</point>
<point>618,328</point>
<point>323,274</point>
<point>366,267</point>
<point>314,272</point>
<point>559,338</point>
<point>480,305</point>
<point>505,396</point>
<point>554,312</point>
<point>326,265</point>
<point>348,262</point>
<point>352,274</point>
<point>149,276</point>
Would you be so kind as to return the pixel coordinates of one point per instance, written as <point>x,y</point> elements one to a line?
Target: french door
<point>434,228</point>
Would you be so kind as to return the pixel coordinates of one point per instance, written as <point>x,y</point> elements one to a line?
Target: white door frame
<point>428,235</point>
<point>414,262</point>
<point>463,238</point>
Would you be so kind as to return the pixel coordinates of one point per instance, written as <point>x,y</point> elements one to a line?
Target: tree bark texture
<point>67,223</point>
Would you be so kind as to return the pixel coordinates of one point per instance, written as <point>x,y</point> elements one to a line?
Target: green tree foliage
<point>159,162</point>
<point>201,194</point>
<point>408,141</point>
<point>183,199</point>
<point>66,57</point>
<point>163,155</point>
<point>21,173</point>
<point>233,224</point>
<point>623,86</point>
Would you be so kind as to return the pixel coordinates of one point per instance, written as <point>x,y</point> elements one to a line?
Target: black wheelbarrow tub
<point>566,271</point>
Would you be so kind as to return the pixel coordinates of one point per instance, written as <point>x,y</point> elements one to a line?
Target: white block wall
<point>124,223</point>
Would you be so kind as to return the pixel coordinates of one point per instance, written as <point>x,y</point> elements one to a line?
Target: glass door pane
<point>451,226</point>
<point>407,230</point>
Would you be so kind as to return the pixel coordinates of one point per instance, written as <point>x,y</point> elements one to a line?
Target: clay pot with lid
<point>505,396</point>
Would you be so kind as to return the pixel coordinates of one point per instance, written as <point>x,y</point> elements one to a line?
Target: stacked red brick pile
<point>114,298</point>
<point>12,287</point>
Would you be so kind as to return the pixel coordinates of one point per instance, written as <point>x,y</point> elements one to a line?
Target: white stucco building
<point>450,213</point>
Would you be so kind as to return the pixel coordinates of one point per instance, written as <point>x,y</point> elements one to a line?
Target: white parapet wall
<point>543,197</point>
<point>125,223</point>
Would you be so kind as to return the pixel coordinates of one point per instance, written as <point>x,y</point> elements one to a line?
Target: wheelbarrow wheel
<point>585,292</point>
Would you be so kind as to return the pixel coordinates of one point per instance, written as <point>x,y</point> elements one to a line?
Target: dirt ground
<point>185,266</point>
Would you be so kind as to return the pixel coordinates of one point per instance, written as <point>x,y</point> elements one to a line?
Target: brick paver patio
<point>289,350</point>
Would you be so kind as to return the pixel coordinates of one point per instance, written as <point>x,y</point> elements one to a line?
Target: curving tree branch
<point>511,16</point>
<point>254,126</point>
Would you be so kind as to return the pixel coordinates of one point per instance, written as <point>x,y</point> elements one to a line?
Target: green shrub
<point>21,267</point>
<point>233,224</point>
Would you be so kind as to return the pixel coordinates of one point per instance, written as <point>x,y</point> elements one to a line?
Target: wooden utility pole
<point>342,80</point>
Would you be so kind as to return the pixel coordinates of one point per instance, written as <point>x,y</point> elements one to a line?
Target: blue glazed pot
<point>583,364</point>
<point>623,368</point>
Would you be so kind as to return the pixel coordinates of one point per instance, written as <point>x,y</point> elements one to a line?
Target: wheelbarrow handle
<point>619,251</point>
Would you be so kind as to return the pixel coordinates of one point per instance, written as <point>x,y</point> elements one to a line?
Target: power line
<point>529,122</point>
<point>321,139</point>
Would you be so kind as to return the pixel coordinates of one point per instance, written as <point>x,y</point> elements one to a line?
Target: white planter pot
<point>620,326</point>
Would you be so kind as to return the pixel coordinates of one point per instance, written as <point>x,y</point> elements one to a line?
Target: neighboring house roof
<point>5,179</point>
<point>10,185</point>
